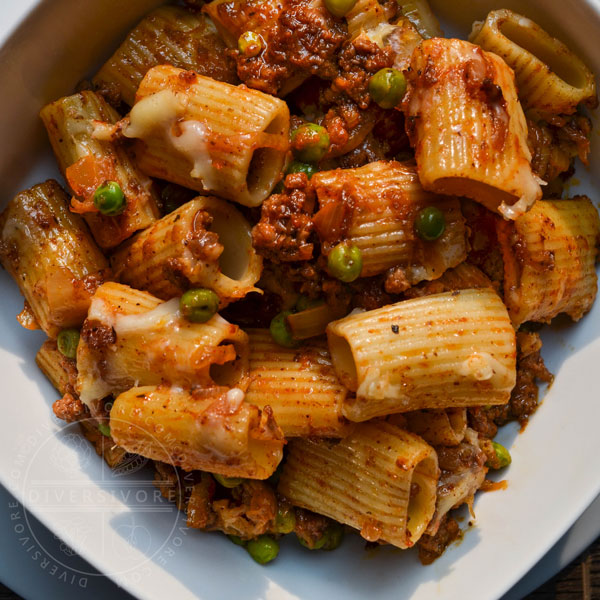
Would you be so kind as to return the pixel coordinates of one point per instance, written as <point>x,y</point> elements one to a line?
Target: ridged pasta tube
<point>87,162</point>
<point>549,257</point>
<point>55,366</point>
<point>168,35</point>
<point>380,480</point>
<point>208,135</point>
<point>298,384</point>
<point>209,429</point>
<point>437,427</point>
<point>132,338</point>
<point>421,16</point>
<point>376,206</point>
<point>440,351</point>
<point>467,127</point>
<point>51,255</point>
<point>204,243</point>
<point>550,76</point>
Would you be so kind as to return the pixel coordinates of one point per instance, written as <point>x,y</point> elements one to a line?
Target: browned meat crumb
<point>433,546</point>
<point>310,526</point>
<point>285,227</point>
<point>358,61</point>
<point>69,408</point>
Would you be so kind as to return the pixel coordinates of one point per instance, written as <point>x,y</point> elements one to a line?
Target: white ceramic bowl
<point>115,520</point>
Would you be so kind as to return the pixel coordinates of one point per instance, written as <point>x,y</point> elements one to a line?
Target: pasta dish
<point>300,256</point>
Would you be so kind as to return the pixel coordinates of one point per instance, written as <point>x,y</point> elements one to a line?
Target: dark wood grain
<point>578,581</point>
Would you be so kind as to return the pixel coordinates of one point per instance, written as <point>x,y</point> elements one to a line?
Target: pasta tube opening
<point>343,360</point>
<point>550,77</point>
<point>265,164</point>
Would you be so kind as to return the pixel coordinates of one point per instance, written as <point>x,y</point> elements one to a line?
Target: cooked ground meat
<point>358,61</point>
<point>69,408</point>
<point>97,335</point>
<point>300,40</point>
<point>285,227</point>
<point>250,510</point>
<point>524,397</point>
<point>310,527</point>
<point>433,546</point>
<point>458,458</point>
<point>555,145</point>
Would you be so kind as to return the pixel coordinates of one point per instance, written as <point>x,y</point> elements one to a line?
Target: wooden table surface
<point>578,581</point>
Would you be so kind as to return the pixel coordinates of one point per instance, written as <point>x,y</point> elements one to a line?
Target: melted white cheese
<point>164,314</point>
<point>193,144</point>
<point>153,113</point>
<point>482,366</point>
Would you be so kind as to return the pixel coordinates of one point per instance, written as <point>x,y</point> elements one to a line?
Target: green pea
<point>345,262</point>
<point>334,534</point>
<point>339,8</point>
<point>250,44</point>
<point>387,87</point>
<point>330,539</point>
<point>199,305</point>
<point>109,199</point>
<point>104,429</point>
<point>280,330</point>
<point>285,521</point>
<point>310,142</point>
<point>263,549</point>
<point>430,223</point>
<point>502,459</point>
<point>301,167</point>
<point>238,541</point>
<point>67,341</point>
<point>228,482</point>
<point>304,303</point>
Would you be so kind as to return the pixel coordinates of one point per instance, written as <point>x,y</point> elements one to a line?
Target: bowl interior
<point>117,522</point>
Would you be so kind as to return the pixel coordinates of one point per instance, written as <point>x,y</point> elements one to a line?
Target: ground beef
<point>459,458</point>
<point>203,243</point>
<point>301,39</point>
<point>285,228</point>
<point>310,527</point>
<point>358,61</point>
<point>433,546</point>
<point>97,335</point>
<point>249,510</point>
<point>69,408</point>
<point>524,397</point>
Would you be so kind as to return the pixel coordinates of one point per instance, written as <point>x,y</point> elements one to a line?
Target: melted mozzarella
<point>156,112</point>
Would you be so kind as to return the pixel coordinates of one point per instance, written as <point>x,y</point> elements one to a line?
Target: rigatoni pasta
<point>366,303</point>
<point>377,205</point>
<point>208,135</point>
<point>87,162</point>
<point>140,340</point>
<point>299,384</point>
<point>210,429</point>
<point>440,351</point>
<point>549,257</point>
<point>168,35</point>
<point>51,255</point>
<point>380,480</point>
<point>468,128</point>
<point>550,77</point>
<point>204,243</point>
